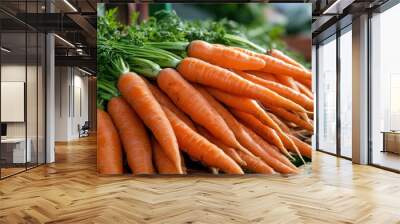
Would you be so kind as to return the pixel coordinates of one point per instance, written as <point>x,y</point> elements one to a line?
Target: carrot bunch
<point>223,109</point>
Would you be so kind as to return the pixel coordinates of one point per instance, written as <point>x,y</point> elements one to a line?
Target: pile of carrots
<point>233,110</point>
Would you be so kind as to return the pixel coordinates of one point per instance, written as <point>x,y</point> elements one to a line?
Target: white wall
<point>33,127</point>
<point>70,84</point>
<point>61,103</point>
<point>80,100</point>
<point>12,73</point>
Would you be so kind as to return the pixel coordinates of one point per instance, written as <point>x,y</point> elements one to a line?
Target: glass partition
<point>346,93</point>
<point>22,101</point>
<point>14,151</point>
<point>41,97</point>
<point>32,98</point>
<point>327,95</point>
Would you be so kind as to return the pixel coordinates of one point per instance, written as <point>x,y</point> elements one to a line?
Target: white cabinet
<point>12,101</point>
<point>16,147</point>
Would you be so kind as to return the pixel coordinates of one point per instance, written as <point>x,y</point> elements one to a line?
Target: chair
<point>84,130</point>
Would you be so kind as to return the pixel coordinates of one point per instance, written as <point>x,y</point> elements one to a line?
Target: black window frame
<point>332,33</point>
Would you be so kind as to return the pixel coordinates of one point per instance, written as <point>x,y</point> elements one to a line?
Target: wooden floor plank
<point>70,191</point>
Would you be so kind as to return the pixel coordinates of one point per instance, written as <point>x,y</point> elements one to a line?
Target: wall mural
<point>195,89</point>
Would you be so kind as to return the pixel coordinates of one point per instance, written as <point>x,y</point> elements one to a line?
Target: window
<point>346,92</point>
<point>327,95</point>
<point>385,89</point>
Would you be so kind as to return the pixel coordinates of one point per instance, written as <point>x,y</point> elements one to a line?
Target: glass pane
<point>327,96</point>
<point>13,87</point>
<point>346,94</point>
<point>32,97</point>
<point>385,89</point>
<point>314,78</point>
<point>41,99</point>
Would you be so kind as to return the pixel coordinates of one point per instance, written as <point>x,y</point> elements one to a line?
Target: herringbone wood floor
<point>70,191</point>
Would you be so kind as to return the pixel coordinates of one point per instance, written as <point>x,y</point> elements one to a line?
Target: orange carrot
<point>252,107</point>
<point>264,153</point>
<point>228,150</point>
<point>184,168</point>
<point>165,101</point>
<point>256,164</point>
<point>271,150</point>
<point>307,83</point>
<point>207,74</point>
<point>109,151</point>
<point>304,148</point>
<point>241,134</point>
<point>200,148</point>
<point>305,117</point>
<point>291,83</point>
<point>133,136</point>
<point>289,144</point>
<point>295,94</point>
<point>279,67</point>
<point>278,138</point>
<point>281,124</point>
<point>286,115</point>
<point>275,162</point>
<point>303,135</point>
<point>263,75</point>
<point>282,56</point>
<point>288,82</point>
<point>161,160</point>
<point>305,90</point>
<point>134,89</point>
<point>266,132</point>
<point>189,100</point>
<point>310,117</point>
<point>244,104</point>
<point>223,112</point>
<point>224,56</point>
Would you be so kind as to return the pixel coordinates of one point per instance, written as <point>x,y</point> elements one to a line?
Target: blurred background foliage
<point>286,26</point>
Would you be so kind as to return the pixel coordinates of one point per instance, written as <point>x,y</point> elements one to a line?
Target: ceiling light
<point>5,50</point>
<point>80,51</point>
<point>70,5</point>
<point>65,41</point>
<point>327,11</point>
<point>84,71</point>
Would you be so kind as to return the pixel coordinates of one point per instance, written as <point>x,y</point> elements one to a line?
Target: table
<point>13,150</point>
<point>391,141</point>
